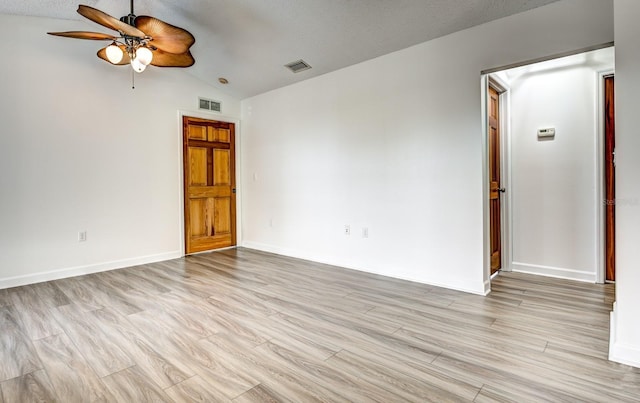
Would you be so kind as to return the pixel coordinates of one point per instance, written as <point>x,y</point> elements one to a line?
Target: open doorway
<point>552,167</point>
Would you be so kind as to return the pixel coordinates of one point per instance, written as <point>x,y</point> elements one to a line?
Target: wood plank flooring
<point>247,326</point>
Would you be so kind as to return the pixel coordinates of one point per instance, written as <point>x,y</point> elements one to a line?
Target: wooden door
<point>493,131</point>
<point>209,184</point>
<point>609,179</point>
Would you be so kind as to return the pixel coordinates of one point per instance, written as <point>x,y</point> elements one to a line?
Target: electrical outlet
<point>347,229</point>
<point>365,232</point>
<point>82,236</point>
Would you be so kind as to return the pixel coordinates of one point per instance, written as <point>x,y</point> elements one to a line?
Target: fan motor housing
<point>129,19</point>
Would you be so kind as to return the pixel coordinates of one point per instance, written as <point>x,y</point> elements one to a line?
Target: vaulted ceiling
<point>249,41</point>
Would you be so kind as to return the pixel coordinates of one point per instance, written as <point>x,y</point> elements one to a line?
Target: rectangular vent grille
<point>210,105</point>
<point>298,66</point>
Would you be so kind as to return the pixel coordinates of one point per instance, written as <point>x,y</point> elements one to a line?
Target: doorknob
<point>501,190</point>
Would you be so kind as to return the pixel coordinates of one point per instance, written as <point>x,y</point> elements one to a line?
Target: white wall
<point>625,324</point>
<point>395,145</point>
<point>81,150</point>
<point>553,190</point>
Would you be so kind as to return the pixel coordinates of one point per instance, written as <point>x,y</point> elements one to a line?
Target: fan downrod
<point>131,18</point>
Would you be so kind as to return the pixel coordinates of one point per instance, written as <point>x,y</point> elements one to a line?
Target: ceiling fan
<point>142,40</point>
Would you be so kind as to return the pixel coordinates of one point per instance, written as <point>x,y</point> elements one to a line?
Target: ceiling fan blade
<point>102,54</point>
<point>108,21</point>
<point>165,59</point>
<point>165,37</point>
<point>96,36</point>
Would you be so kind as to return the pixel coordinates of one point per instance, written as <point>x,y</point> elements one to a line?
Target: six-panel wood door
<point>494,180</point>
<point>209,184</point>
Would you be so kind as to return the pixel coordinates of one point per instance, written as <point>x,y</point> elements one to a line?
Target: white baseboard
<point>81,270</point>
<point>625,354</point>
<point>618,352</point>
<point>487,286</point>
<point>335,262</point>
<point>550,271</point>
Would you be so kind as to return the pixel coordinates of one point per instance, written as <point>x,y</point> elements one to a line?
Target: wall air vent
<point>298,66</point>
<point>209,104</point>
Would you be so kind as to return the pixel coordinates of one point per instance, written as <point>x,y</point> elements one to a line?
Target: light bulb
<point>114,53</point>
<point>144,55</point>
<point>137,66</point>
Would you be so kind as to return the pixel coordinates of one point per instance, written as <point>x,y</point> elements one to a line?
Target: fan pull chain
<point>133,80</point>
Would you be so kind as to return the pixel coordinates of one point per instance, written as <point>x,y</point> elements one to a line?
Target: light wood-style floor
<point>247,326</point>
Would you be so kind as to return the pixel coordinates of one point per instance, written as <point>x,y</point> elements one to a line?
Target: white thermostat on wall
<point>546,133</point>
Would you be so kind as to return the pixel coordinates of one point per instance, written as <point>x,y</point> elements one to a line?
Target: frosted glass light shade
<point>144,55</point>
<point>114,54</point>
<point>137,66</point>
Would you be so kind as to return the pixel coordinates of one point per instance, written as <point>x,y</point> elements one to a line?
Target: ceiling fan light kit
<point>138,53</point>
<point>142,40</point>
<point>114,53</point>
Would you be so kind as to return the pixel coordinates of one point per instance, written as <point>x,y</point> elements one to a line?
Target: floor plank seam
<point>479,392</point>
<point>369,310</point>
<point>118,371</point>
<point>333,355</point>
<point>246,391</point>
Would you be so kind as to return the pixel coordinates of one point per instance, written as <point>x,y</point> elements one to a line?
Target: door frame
<point>179,129</point>
<point>503,89</point>
<point>505,170</point>
<point>600,185</point>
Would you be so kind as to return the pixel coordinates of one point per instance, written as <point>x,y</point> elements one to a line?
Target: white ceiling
<point>249,41</point>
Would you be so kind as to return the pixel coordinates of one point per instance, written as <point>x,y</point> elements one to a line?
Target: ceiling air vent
<point>298,66</point>
<point>209,105</point>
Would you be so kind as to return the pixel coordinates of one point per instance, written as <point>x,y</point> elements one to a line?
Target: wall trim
<point>323,260</point>
<point>88,269</point>
<point>486,218</point>
<point>557,272</point>
<point>487,285</point>
<point>619,352</point>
